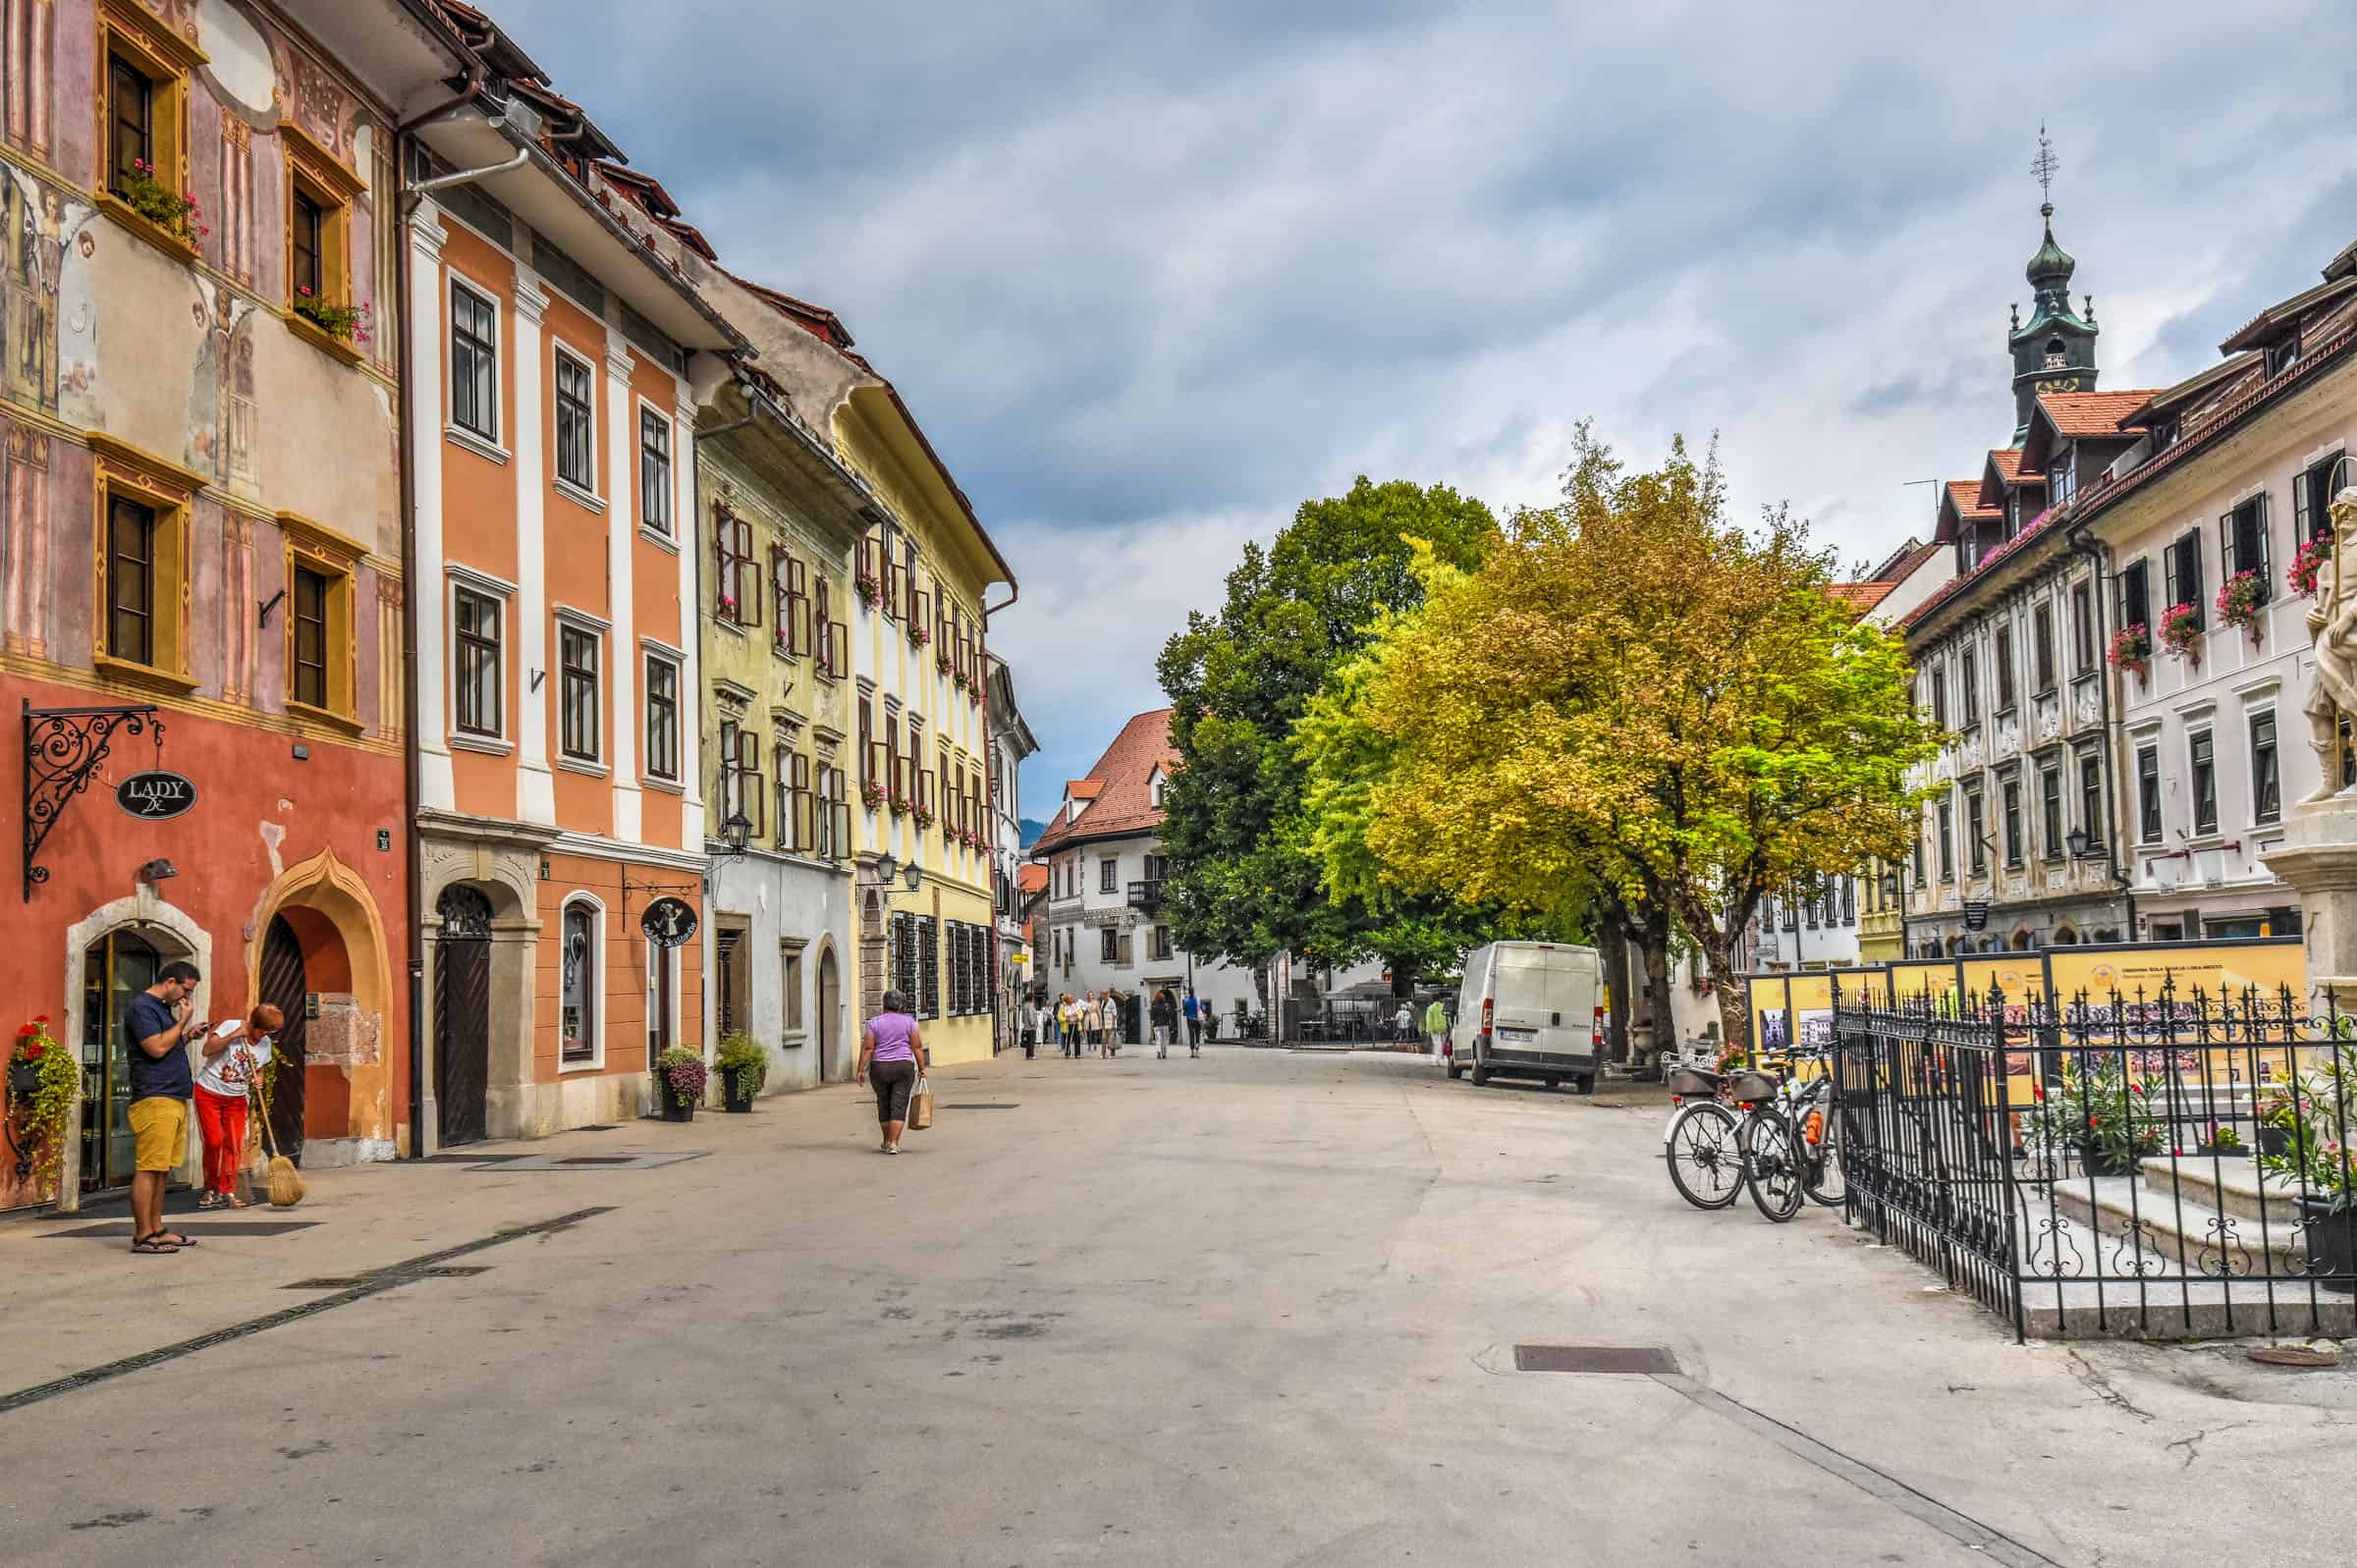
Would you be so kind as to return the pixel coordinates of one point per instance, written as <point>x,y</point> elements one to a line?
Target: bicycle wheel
<point>1706,1163</point>
<point>1771,1168</point>
<point>1821,1173</point>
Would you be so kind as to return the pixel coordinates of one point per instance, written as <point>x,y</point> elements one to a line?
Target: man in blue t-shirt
<point>154,1027</point>
<point>1195,1024</point>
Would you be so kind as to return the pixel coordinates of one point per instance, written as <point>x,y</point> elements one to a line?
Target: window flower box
<point>2132,649</point>
<point>175,212</point>
<point>870,591</point>
<point>919,637</point>
<point>2181,632</point>
<point>942,664</point>
<point>2308,565</point>
<point>2242,603</point>
<point>871,796</point>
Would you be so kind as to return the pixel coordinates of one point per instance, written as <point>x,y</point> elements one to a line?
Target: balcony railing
<point>1146,896</point>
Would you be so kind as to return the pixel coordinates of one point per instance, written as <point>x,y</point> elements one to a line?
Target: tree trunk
<point>1657,981</point>
<point>1734,998</point>
<point>1615,949</point>
<point>1403,976</point>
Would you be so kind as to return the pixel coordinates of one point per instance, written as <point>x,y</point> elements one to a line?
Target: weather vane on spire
<point>2043,167</point>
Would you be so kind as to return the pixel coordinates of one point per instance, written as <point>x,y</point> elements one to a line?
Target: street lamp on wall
<point>2076,840</point>
<point>737,832</point>
<point>914,875</point>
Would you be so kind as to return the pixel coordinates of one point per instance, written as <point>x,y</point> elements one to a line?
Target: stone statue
<point>2332,691</point>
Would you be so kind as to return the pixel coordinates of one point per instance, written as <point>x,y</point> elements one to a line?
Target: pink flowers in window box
<point>176,212</point>
<point>2308,565</point>
<point>2132,649</point>
<point>2243,601</point>
<point>2181,632</point>
<point>870,591</point>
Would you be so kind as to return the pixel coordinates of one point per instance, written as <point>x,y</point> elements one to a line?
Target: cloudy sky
<point>1153,273</point>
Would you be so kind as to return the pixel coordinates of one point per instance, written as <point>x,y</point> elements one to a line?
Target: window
<point>2049,807</point>
<point>1976,834</point>
<point>1108,874</point>
<point>790,595</point>
<point>732,983</point>
<point>1968,681</point>
<point>581,729</point>
<point>132,537</point>
<point>2005,667</point>
<point>1948,840</point>
<point>1109,944</point>
<point>307,229</point>
<point>1159,947</point>
<point>2148,795</point>
<point>834,638</point>
<point>2267,784</point>
<point>576,424</point>
<point>2312,493</point>
<point>2082,632</point>
<point>2135,596</point>
<point>2205,783</point>
<point>736,585</point>
<point>2184,562</point>
<point>307,604</point>
<point>478,693</point>
<point>739,765</point>
<point>662,1000</point>
<point>582,963</point>
<point>473,363</point>
<point>1940,698</point>
<point>790,986</point>
<point>2242,544</point>
<point>797,820</point>
<point>2062,477</point>
<point>654,472</point>
<point>131,120</point>
<point>2091,799</point>
<point>2012,812</point>
<point>662,717</point>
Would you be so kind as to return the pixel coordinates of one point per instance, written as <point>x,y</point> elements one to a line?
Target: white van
<point>1530,1009</point>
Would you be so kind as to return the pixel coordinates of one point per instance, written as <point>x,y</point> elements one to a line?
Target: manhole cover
<point>2291,1356</point>
<point>1637,1358</point>
<point>596,1160</point>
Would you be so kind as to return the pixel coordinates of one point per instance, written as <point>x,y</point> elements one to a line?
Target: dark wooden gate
<point>284,988</point>
<point>462,1016</point>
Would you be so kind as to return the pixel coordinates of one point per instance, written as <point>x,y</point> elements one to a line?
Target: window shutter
<point>2225,547</point>
<point>2193,578</point>
<point>1128,951</point>
<point>843,831</point>
<point>924,788</point>
<point>749,763</point>
<point>2173,563</point>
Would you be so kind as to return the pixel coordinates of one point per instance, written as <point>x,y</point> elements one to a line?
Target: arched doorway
<point>285,984</point>
<point>114,968</point>
<point>830,1017</point>
<point>462,1016</point>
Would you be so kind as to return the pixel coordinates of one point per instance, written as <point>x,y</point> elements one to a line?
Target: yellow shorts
<point>160,1125</point>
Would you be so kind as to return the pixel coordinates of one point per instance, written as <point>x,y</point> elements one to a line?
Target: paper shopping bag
<point>921,1106</point>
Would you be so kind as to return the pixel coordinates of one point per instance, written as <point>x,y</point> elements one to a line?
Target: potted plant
<point>2181,632</point>
<point>744,1068</point>
<point>174,212</point>
<point>872,795</point>
<point>2308,565</point>
<point>680,1074</point>
<point>2224,1142</point>
<point>942,664</point>
<point>343,323</point>
<point>2311,1109</point>
<point>2242,600</point>
<point>2097,1111</point>
<point>924,818</point>
<point>870,591</point>
<point>2132,649</point>
<point>44,1077</point>
<point>900,806</point>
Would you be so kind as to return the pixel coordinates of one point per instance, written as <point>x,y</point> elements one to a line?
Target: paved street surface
<point>1258,1308</point>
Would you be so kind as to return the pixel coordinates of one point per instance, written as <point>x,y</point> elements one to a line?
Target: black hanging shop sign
<point>668,922</point>
<point>155,795</point>
<point>1976,914</point>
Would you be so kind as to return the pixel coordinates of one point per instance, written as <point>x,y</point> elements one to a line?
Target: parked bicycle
<point>1750,1130</point>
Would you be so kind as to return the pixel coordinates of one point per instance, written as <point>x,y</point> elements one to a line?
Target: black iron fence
<point>2166,1164</point>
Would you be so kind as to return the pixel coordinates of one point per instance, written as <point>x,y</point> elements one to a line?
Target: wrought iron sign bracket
<point>63,748</point>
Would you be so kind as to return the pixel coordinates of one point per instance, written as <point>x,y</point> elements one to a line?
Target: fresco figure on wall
<point>221,396</point>
<point>44,256</point>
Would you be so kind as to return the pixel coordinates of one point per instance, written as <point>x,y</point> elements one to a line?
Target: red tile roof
<point>1862,596</point>
<point>2004,473</point>
<point>1124,800</point>
<point>2093,414</point>
<point>1030,879</point>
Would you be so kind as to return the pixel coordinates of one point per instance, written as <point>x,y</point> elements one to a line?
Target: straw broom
<point>285,1185</point>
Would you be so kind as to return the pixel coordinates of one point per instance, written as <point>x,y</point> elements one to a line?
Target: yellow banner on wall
<point>2223,970</point>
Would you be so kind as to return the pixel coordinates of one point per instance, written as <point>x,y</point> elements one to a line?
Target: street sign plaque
<point>1976,914</point>
<point>668,922</point>
<point>155,795</point>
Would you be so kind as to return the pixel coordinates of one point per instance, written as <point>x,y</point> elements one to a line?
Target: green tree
<point>1631,702</point>
<point>1243,883</point>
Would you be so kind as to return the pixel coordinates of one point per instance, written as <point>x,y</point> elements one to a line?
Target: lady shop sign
<point>156,796</point>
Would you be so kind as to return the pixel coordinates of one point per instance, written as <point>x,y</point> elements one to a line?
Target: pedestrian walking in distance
<point>232,1060</point>
<point>1099,1004</point>
<point>1435,1025</point>
<point>891,1051</point>
<point>1403,1022</point>
<point>1193,1009</point>
<point>156,1027</point>
<point>1068,1025</point>
<point>1165,1017</point>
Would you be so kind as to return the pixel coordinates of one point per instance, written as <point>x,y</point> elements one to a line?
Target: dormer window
<point>2283,357</point>
<point>2063,477</point>
<point>1154,787</point>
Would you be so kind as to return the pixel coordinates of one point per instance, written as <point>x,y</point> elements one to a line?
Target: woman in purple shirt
<point>896,1050</point>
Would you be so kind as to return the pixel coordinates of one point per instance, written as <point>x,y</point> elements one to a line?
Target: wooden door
<point>284,988</point>
<point>462,1016</point>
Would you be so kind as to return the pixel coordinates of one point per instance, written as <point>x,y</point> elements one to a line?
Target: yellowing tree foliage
<point>1631,699</point>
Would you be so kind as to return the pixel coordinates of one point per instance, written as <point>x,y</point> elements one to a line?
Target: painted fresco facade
<point>199,535</point>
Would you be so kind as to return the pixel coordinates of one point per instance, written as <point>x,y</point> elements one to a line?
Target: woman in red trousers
<point>231,1061</point>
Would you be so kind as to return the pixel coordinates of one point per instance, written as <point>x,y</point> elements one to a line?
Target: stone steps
<point>2174,1234</point>
<point>2231,1186</point>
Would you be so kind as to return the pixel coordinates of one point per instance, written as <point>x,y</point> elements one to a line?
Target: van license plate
<point>1517,1034</point>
